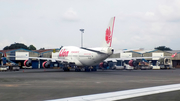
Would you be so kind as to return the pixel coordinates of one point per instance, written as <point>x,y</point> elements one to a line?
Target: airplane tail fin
<point>174,55</point>
<point>109,33</point>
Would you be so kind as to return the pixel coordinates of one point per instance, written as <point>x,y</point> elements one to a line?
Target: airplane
<point>81,57</point>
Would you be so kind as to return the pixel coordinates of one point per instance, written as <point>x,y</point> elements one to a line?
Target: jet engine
<point>46,64</point>
<point>103,65</point>
<point>28,63</point>
<point>133,63</point>
<point>165,61</point>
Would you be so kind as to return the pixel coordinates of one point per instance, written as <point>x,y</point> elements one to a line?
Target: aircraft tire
<point>77,70</point>
<point>66,69</point>
<point>94,69</point>
<point>125,68</point>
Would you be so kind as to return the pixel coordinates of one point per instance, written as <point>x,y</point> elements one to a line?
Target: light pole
<point>82,31</point>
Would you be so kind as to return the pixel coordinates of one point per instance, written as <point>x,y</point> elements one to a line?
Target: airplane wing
<point>53,60</point>
<point>124,94</point>
<point>41,58</point>
<point>92,50</point>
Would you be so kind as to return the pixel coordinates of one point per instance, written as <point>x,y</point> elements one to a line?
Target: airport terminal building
<point>53,53</point>
<point>149,53</point>
<point>17,54</point>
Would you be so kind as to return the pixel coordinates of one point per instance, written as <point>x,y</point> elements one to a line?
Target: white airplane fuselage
<point>82,57</point>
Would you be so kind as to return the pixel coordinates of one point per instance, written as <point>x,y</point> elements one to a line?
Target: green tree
<point>16,46</point>
<point>31,47</point>
<point>163,48</point>
<point>6,48</point>
<point>42,48</point>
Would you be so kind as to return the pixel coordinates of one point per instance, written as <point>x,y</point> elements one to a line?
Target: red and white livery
<point>81,57</point>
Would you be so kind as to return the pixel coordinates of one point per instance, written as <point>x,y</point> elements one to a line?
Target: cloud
<point>166,10</point>
<point>170,12</point>
<point>150,14</point>
<point>143,24</point>
<point>70,15</point>
<point>115,41</point>
<point>4,43</point>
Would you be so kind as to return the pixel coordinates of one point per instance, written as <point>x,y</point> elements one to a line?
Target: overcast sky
<point>52,23</point>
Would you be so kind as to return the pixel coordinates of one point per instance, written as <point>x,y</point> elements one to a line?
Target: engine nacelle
<point>28,63</point>
<point>133,63</point>
<point>165,61</point>
<point>103,64</point>
<point>46,64</point>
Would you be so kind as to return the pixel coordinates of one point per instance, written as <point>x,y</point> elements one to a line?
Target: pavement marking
<point>12,85</point>
<point>9,85</point>
<point>119,95</point>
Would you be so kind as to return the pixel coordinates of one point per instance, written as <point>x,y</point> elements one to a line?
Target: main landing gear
<point>78,69</point>
<point>86,69</point>
<point>67,67</point>
<point>89,69</point>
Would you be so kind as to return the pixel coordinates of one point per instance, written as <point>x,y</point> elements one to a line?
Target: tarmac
<point>40,84</point>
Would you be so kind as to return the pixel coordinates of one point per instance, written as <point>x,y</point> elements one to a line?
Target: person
<point>3,60</point>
